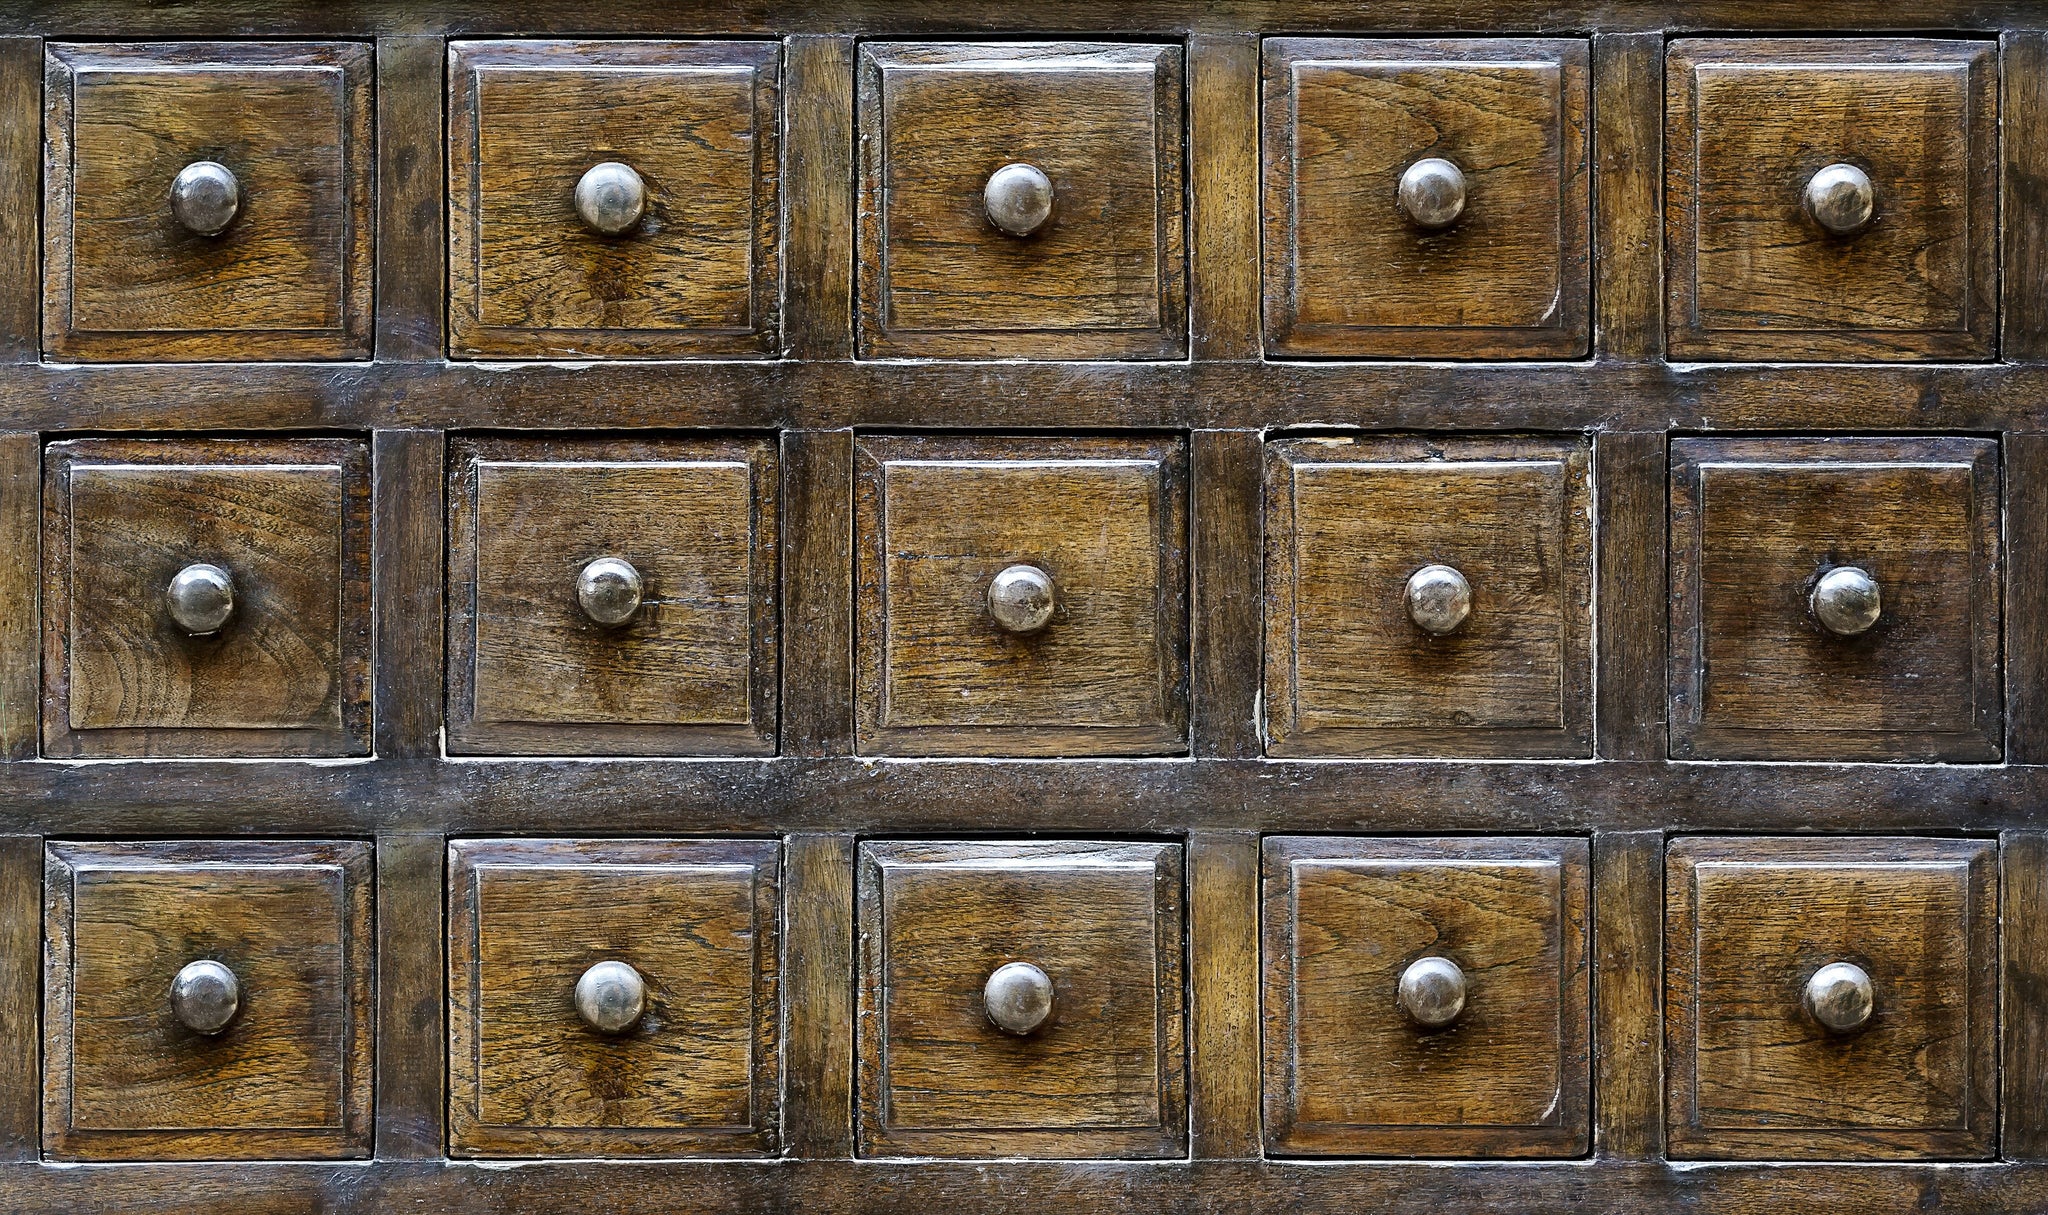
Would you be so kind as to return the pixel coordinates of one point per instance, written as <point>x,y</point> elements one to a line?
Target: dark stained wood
<point>21,483</point>
<point>290,1076</point>
<point>692,672</point>
<point>2023,139</point>
<point>2023,995</point>
<point>1104,1077</point>
<point>699,122</point>
<point>1749,121</point>
<point>1632,611</point>
<point>818,1003</point>
<point>1756,522</point>
<point>408,545</point>
<point>1628,1021</point>
<point>1752,1075</point>
<point>412,1057</point>
<point>411,199</point>
<point>818,221</point>
<point>1223,196</point>
<point>2026,591</point>
<point>1628,241</point>
<point>1106,277</point>
<point>290,277</point>
<point>1227,550</point>
<point>817,582</point>
<point>289,674</point>
<point>1348,275</point>
<point>21,179</point>
<point>21,984</point>
<point>1223,1009</point>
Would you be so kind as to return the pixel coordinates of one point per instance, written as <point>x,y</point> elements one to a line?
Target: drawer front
<point>1022,596</point>
<point>1832,999</point>
<point>207,1001</point>
<point>206,597</point>
<point>1021,200</point>
<point>1425,997</point>
<point>613,199</point>
<point>1426,198</point>
<point>612,596</point>
<point>208,201</point>
<point>1832,198</point>
<point>1429,597</point>
<point>1021,1000</point>
<point>613,997</point>
<point>1835,599</point>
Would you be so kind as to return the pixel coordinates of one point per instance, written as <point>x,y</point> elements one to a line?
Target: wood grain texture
<point>1349,520</point>
<point>412,1056</point>
<point>1105,278</point>
<point>290,1076</point>
<point>1227,594</point>
<point>1105,1077</point>
<point>1633,616</point>
<point>1751,1074</point>
<point>699,1073</point>
<point>408,538</point>
<point>2023,199</point>
<point>1756,522</point>
<point>289,674</point>
<point>1628,154</point>
<point>290,278</point>
<point>692,672</point>
<point>818,207</point>
<point>21,182</point>
<point>818,1005</point>
<point>936,518</point>
<point>21,481</point>
<point>699,122</point>
<point>2023,1011</point>
<point>1628,1015</point>
<point>1749,121</point>
<point>1348,1073</point>
<point>21,985</point>
<point>2026,590</point>
<point>817,593</point>
<point>1223,197</point>
<point>1223,981</point>
<point>411,199</point>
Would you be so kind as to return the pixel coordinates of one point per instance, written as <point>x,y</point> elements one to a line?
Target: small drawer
<point>207,201</point>
<point>207,1001</point>
<point>1425,997</point>
<point>1021,200</point>
<point>1832,198</point>
<point>1429,597</point>
<point>1831,999</point>
<point>1426,198</point>
<point>1835,599</point>
<point>613,199</point>
<point>1021,596</point>
<point>612,596</point>
<point>1021,1000</point>
<point>613,997</point>
<point>206,597</point>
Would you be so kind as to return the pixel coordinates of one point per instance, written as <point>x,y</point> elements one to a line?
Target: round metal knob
<point>608,590</point>
<point>1432,193</point>
<point>1839,997</point>
<point>1020,598</point>
<point>205,996</point>
<point>1018,998</point>
<point>205,197</point>
<point>611,198</point>
<point>1018,199</point>
<point>1841,199</point>
<point>1846,601</point>
<point>1432,992</point>
<point>1439,599</point>
<point>611,997</point>
<point>200,598</point>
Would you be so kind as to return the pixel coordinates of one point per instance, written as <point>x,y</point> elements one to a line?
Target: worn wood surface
<point>1223,1011</point>
<point>21,484</point>
<point>2023,995</point>
<point>21,985</point>
<point>412,254</point>
<point>1628,969</point>
<point>412,1051</point>
<point>1628,229</point>
<point>21,201</point>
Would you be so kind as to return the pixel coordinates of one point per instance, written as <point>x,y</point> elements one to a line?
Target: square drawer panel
<point>1832,198</point>
<point>1429,597</point>
<point>1021,200</point>
<point>1832,999</point>
<point>1425,997</point>
<point>1022,999</point>
<point>612,596</point>
<point>1835,599</point>
<point>1021,596</point>
<point>613,997</point>
<point>1426,198</point>
<point>207,201</point>
<point>613,198</point>
<point>207,1001</point>
<point>206,597</point>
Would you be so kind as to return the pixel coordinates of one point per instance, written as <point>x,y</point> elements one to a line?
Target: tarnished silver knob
<point>205,197</point>
<point>608,590</point>
<point>1021,598</point>
<point>1432,193</point>
<point>1846,601</point>
<point>1841,199</point>
<point>200,598</point>
<point>1432,992</point>
<point>205,996</point>
<point>1439,599</point>
<point>611,198</point>
<point>1018,998</point>
<point>1840,997</point>
<point>1018,199</point>
<point>611,997</point>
